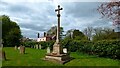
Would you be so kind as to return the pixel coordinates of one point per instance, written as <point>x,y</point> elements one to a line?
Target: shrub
<point>105,48</point>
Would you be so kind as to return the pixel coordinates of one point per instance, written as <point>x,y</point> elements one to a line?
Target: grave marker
<point>64,50</point>
<point>22,49</point>
<point>15,47</point>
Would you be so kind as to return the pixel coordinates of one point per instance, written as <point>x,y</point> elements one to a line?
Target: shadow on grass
<point>26,53</point>
<point>71,58</point>
<point>6,60</point>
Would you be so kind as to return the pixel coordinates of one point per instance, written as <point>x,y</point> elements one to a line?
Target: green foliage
<point>12,38</point>
<point>105,34</point>
<point>44,45</point>
<point>78,35</point>
<point>104,48</point>
<point>75,35</point>
<point>29,44</point>
<point>11,33</point>
<point>107,48</point>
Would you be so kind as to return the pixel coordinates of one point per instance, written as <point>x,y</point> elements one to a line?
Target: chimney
<point>44,34</point>
<point>38,35</point>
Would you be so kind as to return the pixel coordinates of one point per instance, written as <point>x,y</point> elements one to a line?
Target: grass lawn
<point>33,57</point>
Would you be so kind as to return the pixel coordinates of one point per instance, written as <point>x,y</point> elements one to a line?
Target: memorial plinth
<point>58,55</point>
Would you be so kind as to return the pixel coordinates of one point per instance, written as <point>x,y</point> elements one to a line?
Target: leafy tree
<point>11,33</point>
<point>69,34</point>
<point>78,35</point>
<point>75,35</point>
<point>104,34</point>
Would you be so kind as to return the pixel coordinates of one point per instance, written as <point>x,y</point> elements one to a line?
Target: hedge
<point>103,48</point>
<point>106,48</point>
<point>44,45</point>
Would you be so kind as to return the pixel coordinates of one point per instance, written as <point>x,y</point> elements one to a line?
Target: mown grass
<point>33,57</point>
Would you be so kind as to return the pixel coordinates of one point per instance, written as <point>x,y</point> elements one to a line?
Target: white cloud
<point>34,17</point>
<point>36,1</point>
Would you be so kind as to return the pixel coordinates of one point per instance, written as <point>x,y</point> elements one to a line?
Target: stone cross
<point>57,49</point>
<point>58,27</point>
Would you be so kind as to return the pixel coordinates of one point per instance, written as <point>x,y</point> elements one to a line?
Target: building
<point>46,37</point>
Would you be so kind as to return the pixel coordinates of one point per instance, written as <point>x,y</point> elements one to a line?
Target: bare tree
<point>88,32</point>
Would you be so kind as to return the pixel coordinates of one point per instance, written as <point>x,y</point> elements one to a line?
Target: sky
<point>39,16</point>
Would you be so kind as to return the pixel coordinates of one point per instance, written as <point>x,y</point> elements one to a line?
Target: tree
<point>69,34</point>
<point>78,35</point>
<point>53,31</point>
<point>111,10</point>
<point>75,35</point>
<point>104,34</point>
<point>88,32</point>
<point>11,33</point>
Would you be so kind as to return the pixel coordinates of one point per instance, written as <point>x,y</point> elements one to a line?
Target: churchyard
<point>34,57</point>
<point>75,49</point>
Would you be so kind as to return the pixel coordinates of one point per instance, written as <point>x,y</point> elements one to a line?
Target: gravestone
<point>22,49</point>
<point>15,47</point>
<point>40,46</point>
<point>2,55</point>
<point>19,48</point>
<point>64,50</point>
<point>37,46</point>
<point>48,50</point>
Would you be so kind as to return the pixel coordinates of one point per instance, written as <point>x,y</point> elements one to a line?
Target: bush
<point>107,49</point>
<point>44,45</point>
<point>29,44</point>
<point>104,48</point>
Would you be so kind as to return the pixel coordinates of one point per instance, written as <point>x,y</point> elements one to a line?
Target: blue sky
<point>34,17</point>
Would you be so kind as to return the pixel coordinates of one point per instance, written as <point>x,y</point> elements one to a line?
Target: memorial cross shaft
<point>58,27</point>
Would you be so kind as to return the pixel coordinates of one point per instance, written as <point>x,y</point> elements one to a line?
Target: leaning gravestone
<point>48,50</point>
<point>22,49</point>
<point>2,55</point>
